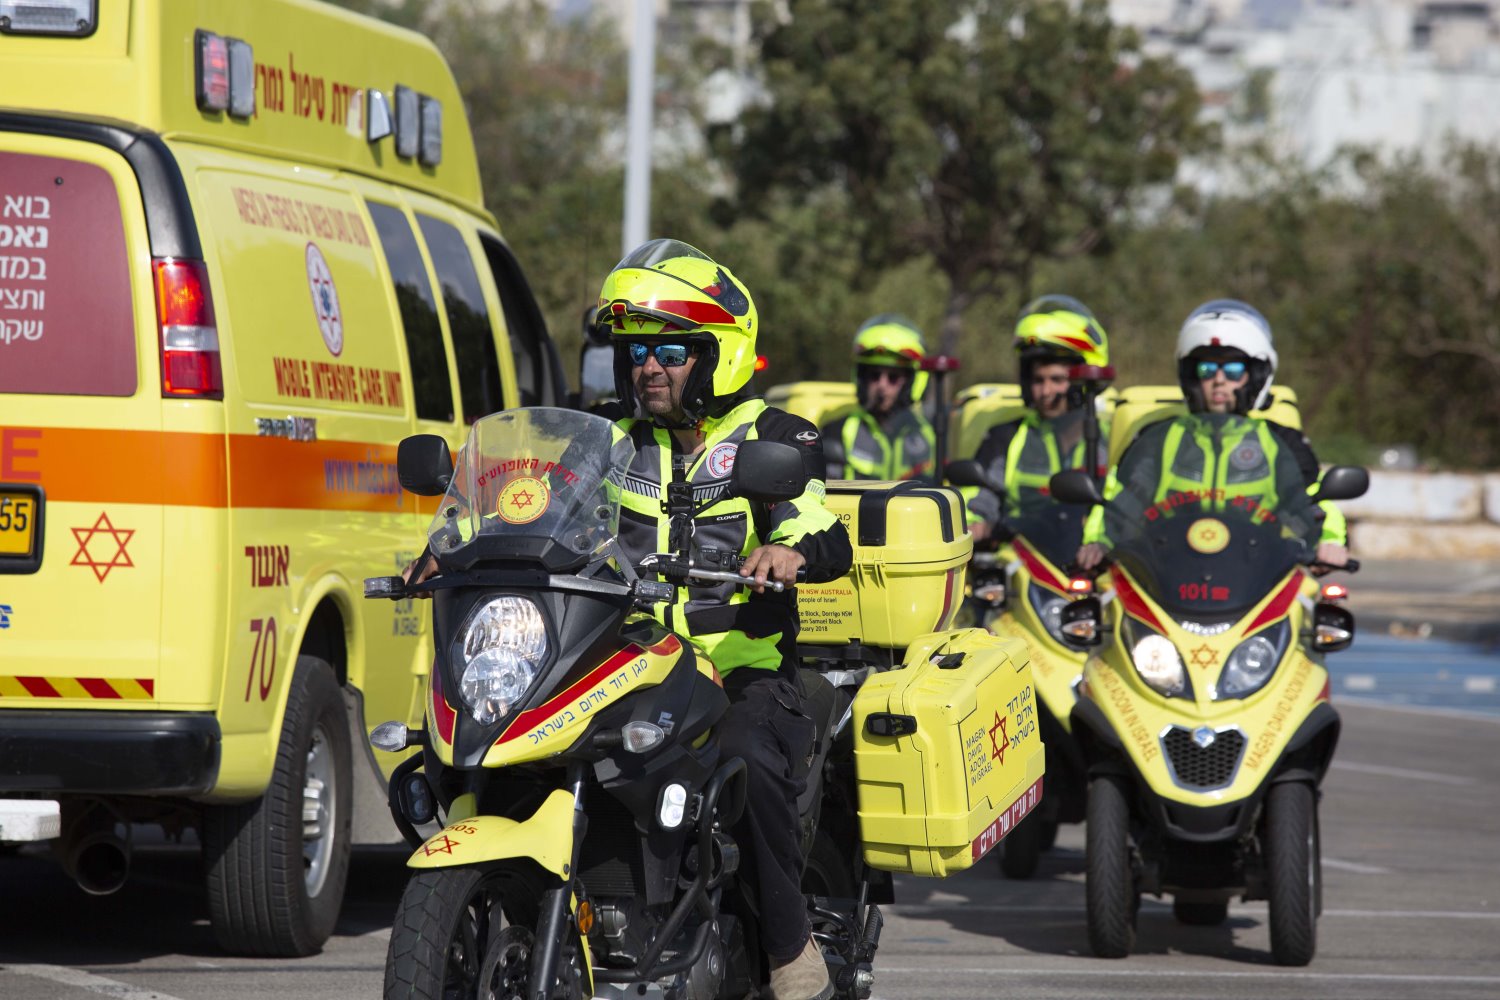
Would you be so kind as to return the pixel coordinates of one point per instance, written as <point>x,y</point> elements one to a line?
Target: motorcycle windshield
<point>538,483</point>
<point>1055,531</point>
<point>1208,566</point>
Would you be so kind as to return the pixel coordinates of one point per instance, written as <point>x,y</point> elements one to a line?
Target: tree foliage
<point>983,135</point>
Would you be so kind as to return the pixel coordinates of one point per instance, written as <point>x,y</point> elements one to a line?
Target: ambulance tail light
<point>189,339</point>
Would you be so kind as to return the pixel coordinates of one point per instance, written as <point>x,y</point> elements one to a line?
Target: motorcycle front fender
<point>546,838</point>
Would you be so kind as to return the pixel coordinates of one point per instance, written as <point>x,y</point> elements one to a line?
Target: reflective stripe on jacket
<point>1023,455</point>
<point>732,626</point>
<point>905,451</point>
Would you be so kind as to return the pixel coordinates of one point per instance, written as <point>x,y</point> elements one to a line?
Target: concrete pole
<point>639,127</point>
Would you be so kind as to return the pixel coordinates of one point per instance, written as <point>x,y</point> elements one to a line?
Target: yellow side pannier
<point>947,754</point>
<point>911,547</point>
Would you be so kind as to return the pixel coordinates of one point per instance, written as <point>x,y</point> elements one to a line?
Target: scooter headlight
<point>1157,660</point>
<point>1253,662</point>
<point>504,647</point>
<point>1049,607</point>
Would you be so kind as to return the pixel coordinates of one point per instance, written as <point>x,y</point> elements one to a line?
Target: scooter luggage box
<point>947,754</point>
<point>911,548</point>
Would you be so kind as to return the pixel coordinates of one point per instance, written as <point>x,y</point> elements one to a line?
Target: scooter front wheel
<point>1109,886</point>
<point>452,938</point>
<point>1294,871</point>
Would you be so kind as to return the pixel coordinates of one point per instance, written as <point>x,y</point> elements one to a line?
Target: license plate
<point>18,521</point>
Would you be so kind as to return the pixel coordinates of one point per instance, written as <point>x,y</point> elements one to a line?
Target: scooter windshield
<point>534,483</point>
<point>1208,565</point>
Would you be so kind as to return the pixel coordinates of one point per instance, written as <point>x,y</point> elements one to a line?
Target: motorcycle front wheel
<point>1294,871</point>
<point>452,940</point>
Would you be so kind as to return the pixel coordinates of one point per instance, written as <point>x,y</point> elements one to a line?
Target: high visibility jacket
<point>1023,455</point>
<point>731,625</point>
<point>1211,463</point>
<point>904,450</point>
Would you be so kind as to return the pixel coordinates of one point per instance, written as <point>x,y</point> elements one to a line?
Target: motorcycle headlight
<point>1157,660</point>
<point>1253,662</point>
<point>504,647</point>
<point>1049,607</point>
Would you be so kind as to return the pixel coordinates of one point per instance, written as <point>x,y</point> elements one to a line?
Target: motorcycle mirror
<point>1075,486</point>
<point>1343,482</point>
<point>768,472</point>
<point>1079,622</point>
<point>424,465</point>
<point>969,472</point>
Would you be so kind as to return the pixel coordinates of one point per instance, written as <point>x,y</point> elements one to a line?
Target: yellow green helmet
<point>667,290</point>
<point>1058,328</point>
<point>893,341</point>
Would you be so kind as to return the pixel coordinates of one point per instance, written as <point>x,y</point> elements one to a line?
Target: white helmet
<point>1234,325</point>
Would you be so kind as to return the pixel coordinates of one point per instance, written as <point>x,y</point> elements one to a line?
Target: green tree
<point>984,135</point>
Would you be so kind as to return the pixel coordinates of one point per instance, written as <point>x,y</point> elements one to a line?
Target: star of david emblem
<point>521,499</point>
<point>997,747</point>
<point>86,556</point>
<point>439,845</point>
<point>1205,656</point>
<point>1209,535</point>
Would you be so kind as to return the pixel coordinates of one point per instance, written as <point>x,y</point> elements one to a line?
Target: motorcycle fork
<point>554,923</point>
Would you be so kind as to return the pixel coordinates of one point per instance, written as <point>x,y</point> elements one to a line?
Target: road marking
<point>1479,685</point>
<point>86,981</point>
<point>1440,713</point>
<point>1354,866</point>
<point>1116,971</point>
<point>1162,907</point>
<point>1435,777</point>
<point>1359,682</point>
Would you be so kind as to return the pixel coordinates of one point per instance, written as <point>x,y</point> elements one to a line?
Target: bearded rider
<point>1053,334</point>
<point>684,331</point>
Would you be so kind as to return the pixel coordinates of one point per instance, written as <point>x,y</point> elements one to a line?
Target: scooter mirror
<point>1343,482</point>
<point>768,472</point>
<point>969,472</point>
<point>424,465</point>
<point>1075,486</point>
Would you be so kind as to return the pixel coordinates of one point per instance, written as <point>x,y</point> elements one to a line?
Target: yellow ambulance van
<point>243,253</point>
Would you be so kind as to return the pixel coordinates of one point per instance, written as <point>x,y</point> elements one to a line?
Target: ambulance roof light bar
<point>74,18</point>
<point>431,152</point>
<point>224,74</point>
<point>408,125</point>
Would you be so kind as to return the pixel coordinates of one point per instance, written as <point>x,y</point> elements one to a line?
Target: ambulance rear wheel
<point>277,866</point>
<point>1109,884</point>
<point>1293,871</point>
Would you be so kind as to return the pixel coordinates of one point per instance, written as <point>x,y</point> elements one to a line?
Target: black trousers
<point>768,728</point>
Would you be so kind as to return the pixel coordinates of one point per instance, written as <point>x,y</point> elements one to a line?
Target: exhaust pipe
<point>92,853</point>
<point>99,863</point>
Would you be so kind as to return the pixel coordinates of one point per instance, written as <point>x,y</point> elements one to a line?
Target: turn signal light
<point>1335,591</point>
<point>761,364</point>
<point>1080,585</point>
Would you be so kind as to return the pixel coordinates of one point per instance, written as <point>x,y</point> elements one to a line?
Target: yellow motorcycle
<point>568,752</point>
<point>1204,715</point>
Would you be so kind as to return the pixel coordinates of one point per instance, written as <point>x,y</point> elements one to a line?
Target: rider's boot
<point>803,978</point>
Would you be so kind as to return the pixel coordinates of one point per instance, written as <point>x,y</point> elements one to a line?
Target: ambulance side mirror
<point>768,472</point>
<point>1343,482</point>
<point>424,465</point>
<point>1075,486</point>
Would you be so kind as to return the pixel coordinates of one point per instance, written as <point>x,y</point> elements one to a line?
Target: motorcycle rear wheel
<point>1293,872</point>
<point>452,940</point>
<point>1109,886</point>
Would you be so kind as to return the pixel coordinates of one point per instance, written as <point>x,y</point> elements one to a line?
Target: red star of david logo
<point>1205,656</point>
<point>521,498</point>
<point>118,537</point>
<point>439,845</point>
<point>997,747</point>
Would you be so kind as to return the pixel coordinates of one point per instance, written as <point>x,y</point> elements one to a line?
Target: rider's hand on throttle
<point>1090,555</point>
<point>772,562</point>
<point>1331,553</point>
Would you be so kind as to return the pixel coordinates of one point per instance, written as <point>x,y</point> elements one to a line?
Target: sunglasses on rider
<point>874,373</point>
<point>667,355</point>
<point>1233,370</point>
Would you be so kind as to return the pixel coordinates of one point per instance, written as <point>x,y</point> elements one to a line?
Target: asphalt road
<point>1411,827</point>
